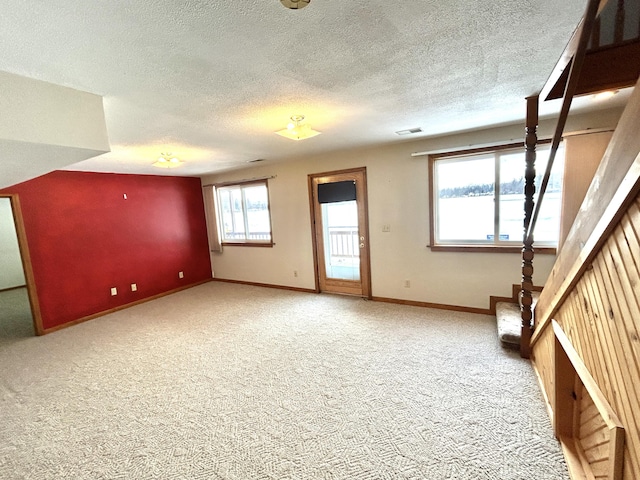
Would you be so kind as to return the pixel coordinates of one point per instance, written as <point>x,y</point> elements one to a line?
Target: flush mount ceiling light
<point>295,4</point>
<point>167,160</point>
<point>297,130</point>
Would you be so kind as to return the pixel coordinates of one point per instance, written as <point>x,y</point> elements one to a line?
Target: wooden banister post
<point>531,139</point>
<point>618,35</point>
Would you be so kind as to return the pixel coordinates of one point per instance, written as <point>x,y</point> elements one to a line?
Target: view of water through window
<point>466,210</point>
<point>474,218</point>
<point>245,213</point>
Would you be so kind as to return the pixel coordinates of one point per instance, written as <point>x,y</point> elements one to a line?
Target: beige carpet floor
<point>235,382</point>
<point>15,315</point>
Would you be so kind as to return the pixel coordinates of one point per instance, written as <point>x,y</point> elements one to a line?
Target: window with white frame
<point>244,216</point>
<point>478,198</point>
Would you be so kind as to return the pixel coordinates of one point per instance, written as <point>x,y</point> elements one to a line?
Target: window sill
<point>490,249</point>
<point>247,244</point>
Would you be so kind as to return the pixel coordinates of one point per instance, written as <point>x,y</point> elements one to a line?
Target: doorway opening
<point>19,311</point>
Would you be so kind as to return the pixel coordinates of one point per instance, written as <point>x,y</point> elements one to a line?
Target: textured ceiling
<point>211,81</point>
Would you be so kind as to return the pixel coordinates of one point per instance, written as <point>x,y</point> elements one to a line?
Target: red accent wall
<point>85,237</point>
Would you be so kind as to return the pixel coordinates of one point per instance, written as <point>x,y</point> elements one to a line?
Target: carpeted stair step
<point>509,320</point>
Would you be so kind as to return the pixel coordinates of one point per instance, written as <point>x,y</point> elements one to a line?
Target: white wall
<point>583,153</point>
<point>11,273</point>
<point>44,127</point>
<point>398,196</point>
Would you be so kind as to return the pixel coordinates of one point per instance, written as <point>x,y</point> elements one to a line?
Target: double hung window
<point>244,214</point>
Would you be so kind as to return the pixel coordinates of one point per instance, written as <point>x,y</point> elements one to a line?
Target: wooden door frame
<point>25,258</point>
<point>366,282</point>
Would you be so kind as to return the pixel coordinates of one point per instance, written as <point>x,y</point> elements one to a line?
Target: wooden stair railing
<point>586,66</point>
<point>617,184</point>
<point>609,62</point>
<point>532,208</point>
<point>591,293</point>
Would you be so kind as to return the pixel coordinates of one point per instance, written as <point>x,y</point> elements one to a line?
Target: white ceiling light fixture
<point>295,4</point>
<point>167,160</point>
<point>605,95</point>
<point>297,130</point>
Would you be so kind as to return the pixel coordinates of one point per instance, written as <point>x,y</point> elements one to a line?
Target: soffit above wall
<point>22,161</point>
<point>45,126</point>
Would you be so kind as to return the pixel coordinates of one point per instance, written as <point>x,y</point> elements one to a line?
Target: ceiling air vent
<point>409,131</point>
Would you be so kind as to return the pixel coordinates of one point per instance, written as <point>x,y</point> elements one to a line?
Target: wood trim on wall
<point>488,248</point>
<point>431,196</point>
<point>491,148</point>
<point>314,241</point>
<point>248,244</point>
<point>439,306</point>
<point>265,285</point>
<point>397,301</point>
<point>366,258</point>
<point>123,307</point>
<point>12,288</point>
<point>240,182</point>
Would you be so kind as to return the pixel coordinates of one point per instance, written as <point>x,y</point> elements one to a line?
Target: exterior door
<point>341,232</point>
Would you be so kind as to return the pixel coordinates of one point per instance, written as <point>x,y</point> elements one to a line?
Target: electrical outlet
<point>180,274</point>
<point>407,284</point>
<point>386,228</point>
<point>114,291</point>
<point>134,287</point>
<point>295,273</point>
